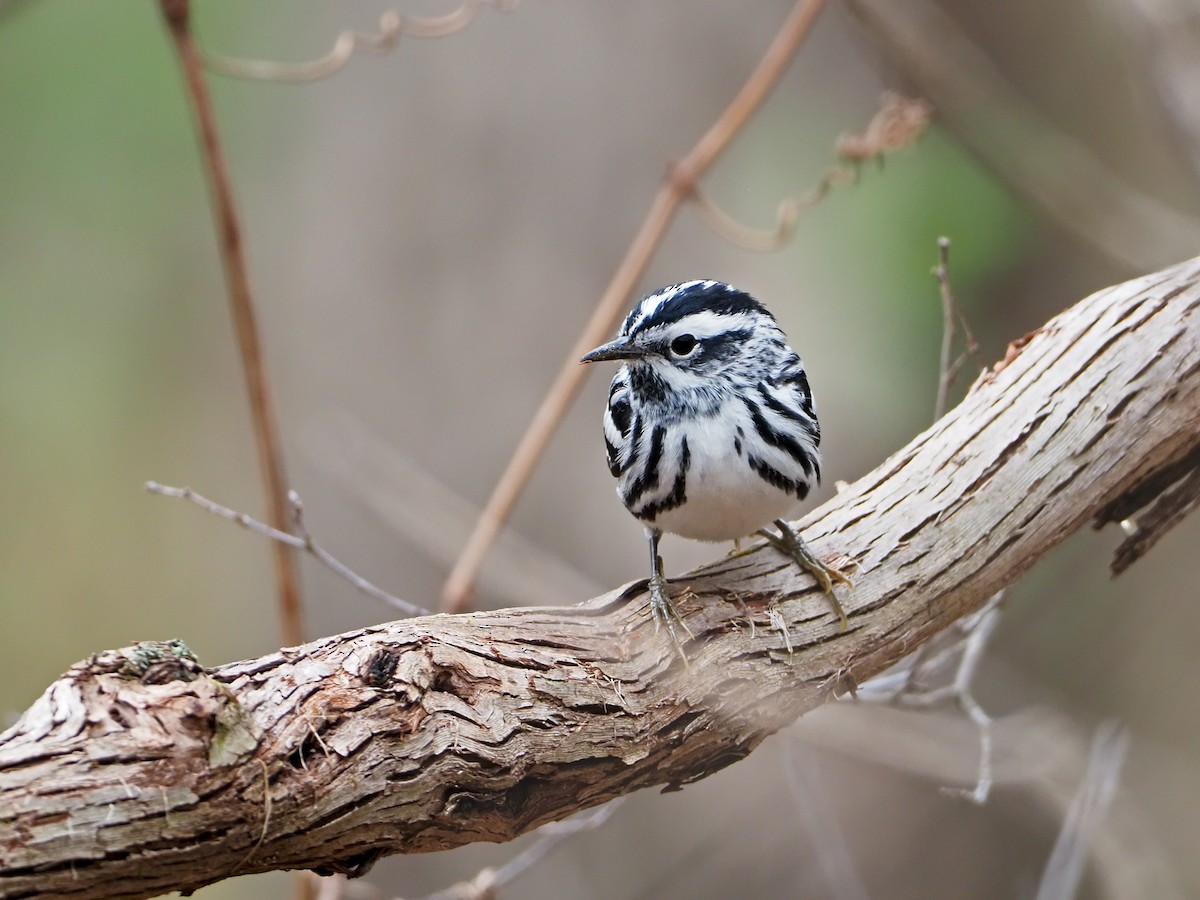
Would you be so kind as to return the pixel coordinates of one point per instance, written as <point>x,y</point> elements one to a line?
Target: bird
<point>710,428</point>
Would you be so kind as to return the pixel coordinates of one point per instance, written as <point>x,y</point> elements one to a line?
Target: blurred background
<point>428,232</point>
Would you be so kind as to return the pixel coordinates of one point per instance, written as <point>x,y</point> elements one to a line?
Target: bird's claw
<point>791,544</point>
<point>664,612</point>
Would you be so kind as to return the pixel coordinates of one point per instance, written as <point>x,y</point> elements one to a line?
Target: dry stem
<point>241,305</point>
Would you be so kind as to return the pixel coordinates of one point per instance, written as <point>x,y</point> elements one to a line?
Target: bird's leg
<point>788,541</point>
<point>661,607</point>
<point>738,550</point>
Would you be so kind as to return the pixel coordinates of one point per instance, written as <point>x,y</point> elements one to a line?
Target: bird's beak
<point>621,348</point>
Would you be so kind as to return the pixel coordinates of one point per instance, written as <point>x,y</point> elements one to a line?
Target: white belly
<point>726,499</point>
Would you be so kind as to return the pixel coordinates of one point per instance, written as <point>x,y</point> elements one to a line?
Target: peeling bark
<point>139,771</point>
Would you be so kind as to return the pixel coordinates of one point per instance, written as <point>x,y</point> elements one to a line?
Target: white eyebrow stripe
<point>707,324</point>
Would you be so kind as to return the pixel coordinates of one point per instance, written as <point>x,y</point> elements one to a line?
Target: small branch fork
<point>392,26</point>
<point>300,540</point>
<point>177,14</point>
<point>906,684</point>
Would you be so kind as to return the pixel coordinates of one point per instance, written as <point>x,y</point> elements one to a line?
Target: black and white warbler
<point>710,427</point>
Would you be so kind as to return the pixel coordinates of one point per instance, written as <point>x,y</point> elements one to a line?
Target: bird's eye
<point>683,345</point>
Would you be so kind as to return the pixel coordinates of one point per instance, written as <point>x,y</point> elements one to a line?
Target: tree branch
<point>139,772</point>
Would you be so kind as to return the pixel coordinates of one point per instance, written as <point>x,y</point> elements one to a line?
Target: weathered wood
<point>139,772</point>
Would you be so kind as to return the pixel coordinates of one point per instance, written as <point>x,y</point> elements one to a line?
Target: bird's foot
<point>789,542</point>
<point>665,613</point>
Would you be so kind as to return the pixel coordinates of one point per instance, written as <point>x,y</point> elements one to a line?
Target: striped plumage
<point>710,427</point>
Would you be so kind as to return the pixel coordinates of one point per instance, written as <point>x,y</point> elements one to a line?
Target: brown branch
<point>139,772</point>
<point>241,305</point>
<point>681,180</point>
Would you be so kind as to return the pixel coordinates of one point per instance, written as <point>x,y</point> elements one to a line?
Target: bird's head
<point>693,333</point>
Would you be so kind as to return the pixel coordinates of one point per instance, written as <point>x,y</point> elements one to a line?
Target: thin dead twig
<point>786,215</point>
<point>679,184</point>
<point>905,685</point>
<point>898,123</point>
<point>302,540</point>
<point>489,881</point>
<point>1088,809</point>
<point>951,316</point>
<point>245,320</point>
<point>392,26</point>
<point>432,518</point>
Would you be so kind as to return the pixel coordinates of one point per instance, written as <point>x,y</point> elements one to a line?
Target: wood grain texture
<point>139,772</point>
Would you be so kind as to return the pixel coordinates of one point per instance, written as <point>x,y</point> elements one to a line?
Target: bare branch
<point>1165,512</point>
<point>302,540</point>
<point>963,681</point>
<point>905,685</point>
<point>786,215</point>
<point>488,882</point>
<point>435,519</point>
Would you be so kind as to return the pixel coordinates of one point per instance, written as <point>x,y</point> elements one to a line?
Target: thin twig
<point>951,316</point>
<point>786,215</point>
<point>241,303</point>
<point>898,123</point>
<point>302,540</point>
<point>904,685</point>
<point>392,26</point>
<point>434,519</point>
<point>681,180</point>
<point>819,815</point>
<point>488,882</point>
<point>964,678</point>
<point>1065,868</point>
